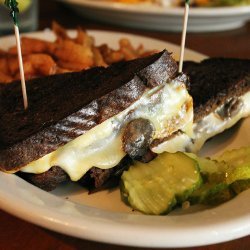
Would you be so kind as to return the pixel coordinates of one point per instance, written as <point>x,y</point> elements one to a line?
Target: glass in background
<point>28,17</point>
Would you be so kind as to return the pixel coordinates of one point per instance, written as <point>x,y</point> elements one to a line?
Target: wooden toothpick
<point>184,33</point>
<point>20,61</point>
<point>13,6</point>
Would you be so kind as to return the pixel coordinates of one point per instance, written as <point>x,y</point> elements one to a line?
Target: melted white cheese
<point>212,125</point>
<point>208,127</point>
<point>173,145</point>
<point>102,145</point>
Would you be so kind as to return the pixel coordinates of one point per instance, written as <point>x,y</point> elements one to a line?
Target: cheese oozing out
<point>206,128</point>
<point>168,107</point>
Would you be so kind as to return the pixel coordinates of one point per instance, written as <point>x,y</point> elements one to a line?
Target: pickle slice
<point>170,179</point>
<point>223,178</point>
<point>211,170</point>
<point>235,157</point>
<point>214,190</point>
<point>238,175</point>
<point>240,186</point>
<point>211,194</point>
<point>156,187</point>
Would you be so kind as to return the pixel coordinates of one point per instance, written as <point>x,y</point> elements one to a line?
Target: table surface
<point>18,234</point>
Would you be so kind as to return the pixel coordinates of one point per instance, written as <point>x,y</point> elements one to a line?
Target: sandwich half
<point>94,119</point>
<point>220,89</point>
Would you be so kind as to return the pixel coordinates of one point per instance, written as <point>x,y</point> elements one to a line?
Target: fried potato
<point>60,70</point>
<point>33,45</point>
<point>13,66</point>
<point>34,65</point>
<point>98,58</point>
<point>76,56</point>
<point>40,64</point>
<point>65,54</point>
<point>59,31</point>
<point>127,49</point>
<point>72,66</point>
<point>83,38</point>
<point>4,66</point>
<point>110,56</point>
<point>5,78</point>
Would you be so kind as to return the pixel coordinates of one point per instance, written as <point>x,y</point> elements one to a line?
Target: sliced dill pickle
<point>239,178</point>
<point>214,190</point>
<point>209,166</point>
<point>211,194</point>
<point>156,187</point>
<point>219,194</point>
<point>223,178</point>
<point>240,186</point>
<point>235,157</point>
<point>238,175</point>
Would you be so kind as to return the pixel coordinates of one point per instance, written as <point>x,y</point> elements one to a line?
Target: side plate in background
<point>155,17</point>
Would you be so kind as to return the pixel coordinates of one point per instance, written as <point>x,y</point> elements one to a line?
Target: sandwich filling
<point>169,109</point>
<point>224,117</point>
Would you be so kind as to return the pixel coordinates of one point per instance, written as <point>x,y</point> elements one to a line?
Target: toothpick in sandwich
<point>184,33</point>
<point>13,6</point>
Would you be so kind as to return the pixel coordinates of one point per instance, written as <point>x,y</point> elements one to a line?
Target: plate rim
<point>94,228</point>
<point>161,10</point>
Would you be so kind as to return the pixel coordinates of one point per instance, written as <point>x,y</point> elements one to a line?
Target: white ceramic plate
<point>103,217</point>
<point>155,17</point>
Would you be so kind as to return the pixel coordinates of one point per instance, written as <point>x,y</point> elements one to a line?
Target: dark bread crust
<point>72,90</point>
<point>215,80</point>
<point>83,100</point>
<point>97,179</point>
<point>48,180</point>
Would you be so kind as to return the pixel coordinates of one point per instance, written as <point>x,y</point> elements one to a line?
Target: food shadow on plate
<point>228,139</point>
<point>73,188</point>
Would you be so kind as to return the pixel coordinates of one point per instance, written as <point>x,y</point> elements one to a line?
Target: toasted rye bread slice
<point>217,86</point>
<point>63,107</point>
<point>215,80</point>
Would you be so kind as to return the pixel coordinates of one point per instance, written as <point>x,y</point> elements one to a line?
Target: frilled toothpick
<point>13,6</point>
<point>184,33</point>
